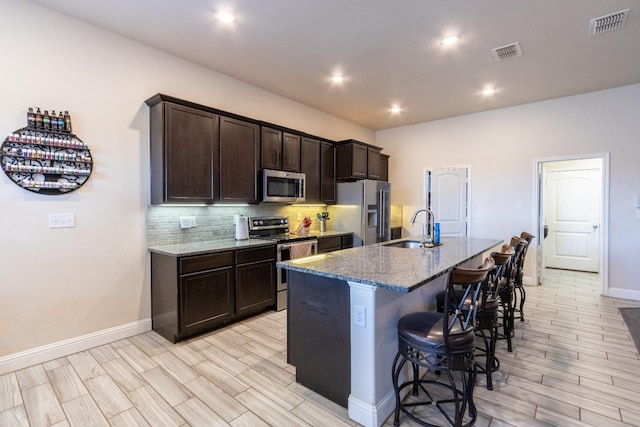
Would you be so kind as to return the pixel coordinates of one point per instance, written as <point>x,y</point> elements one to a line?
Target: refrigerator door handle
<point>381,213</point>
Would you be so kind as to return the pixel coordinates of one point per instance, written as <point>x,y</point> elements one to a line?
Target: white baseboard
<point>624,293</point>
<point>27,358</point>
<point>372,415</point>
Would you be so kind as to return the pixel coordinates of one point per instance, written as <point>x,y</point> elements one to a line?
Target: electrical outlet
<point>62,220</point>
<point>299,216</point>
<point>359,316</point>
<point>187,221</point>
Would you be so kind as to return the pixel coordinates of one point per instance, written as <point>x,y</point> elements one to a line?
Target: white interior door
<point>572,214</point>
<point>450,187</point>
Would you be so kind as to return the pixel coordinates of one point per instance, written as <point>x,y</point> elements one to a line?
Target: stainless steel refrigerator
<point>363,207</point>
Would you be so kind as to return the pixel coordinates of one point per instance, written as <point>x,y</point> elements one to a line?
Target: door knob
<point>595,226</point>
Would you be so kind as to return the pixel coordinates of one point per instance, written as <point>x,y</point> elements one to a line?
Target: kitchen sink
<point>409,244</point>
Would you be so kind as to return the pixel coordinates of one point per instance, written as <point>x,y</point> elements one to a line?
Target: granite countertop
<point>198,248</point>
<point>324,234</point>
<point>398,269</point>
<point>184,249</point>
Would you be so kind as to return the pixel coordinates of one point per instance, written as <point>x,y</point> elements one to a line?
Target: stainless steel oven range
<point>288,246</point>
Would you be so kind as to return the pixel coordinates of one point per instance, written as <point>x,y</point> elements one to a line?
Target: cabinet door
<point>310,166</point>
<point>328,172</point>
<point>373,163</point>
<point>270,148</point>
<point>347,241</point>
<point>239,153</point>
<point>255,286</point>
<point>290,152</point>
<point>384,167</point>
<point>359,161</point>
<point>190,156</point>
<point>206,299</point>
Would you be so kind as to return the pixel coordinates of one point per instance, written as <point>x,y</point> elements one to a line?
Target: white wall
<point>61,284</point>
<point>502,145</point>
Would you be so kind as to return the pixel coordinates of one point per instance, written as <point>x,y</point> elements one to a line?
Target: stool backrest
<point>502,270</point>
<point>517,270</point>
<point>464,305</point>
<point>529,238</point>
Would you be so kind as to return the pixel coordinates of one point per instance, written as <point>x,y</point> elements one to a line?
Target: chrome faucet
<point>427,237</point>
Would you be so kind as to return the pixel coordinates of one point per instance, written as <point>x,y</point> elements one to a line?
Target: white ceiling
<point>388,50</point>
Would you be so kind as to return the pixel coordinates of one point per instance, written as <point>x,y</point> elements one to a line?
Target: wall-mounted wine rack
<point>46,161</point>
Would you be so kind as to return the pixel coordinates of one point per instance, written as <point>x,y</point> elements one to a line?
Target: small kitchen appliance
<point>283,187</point>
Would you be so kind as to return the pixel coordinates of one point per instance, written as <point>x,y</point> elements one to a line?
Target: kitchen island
<point>343,311</point>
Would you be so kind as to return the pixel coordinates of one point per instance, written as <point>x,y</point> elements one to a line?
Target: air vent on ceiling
<point>613,21</point>
<point>507,52</point>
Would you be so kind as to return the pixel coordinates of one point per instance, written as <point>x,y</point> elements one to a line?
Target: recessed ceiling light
<point>225,17</point>
<point>449,40</point>
<point>337,79</point>
<point>395,109</point>
<point>488,91</point>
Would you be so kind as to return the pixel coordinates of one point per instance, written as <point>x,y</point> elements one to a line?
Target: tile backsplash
<point>216,222</point>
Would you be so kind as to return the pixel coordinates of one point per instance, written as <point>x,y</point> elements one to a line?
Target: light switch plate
<point>62,220</point>
<point>187,221</point>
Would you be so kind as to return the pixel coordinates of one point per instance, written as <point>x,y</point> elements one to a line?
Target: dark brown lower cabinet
<point>334,243</point>
<point>191,295</point>
<point>206,299</point>
<point>255,280</point>
<point>318,334</point>
<point>396,233</point>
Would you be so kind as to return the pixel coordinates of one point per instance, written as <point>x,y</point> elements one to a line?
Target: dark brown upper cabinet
<point>310,166</point>
<point>184,154</point>
<point>327,172</point>
<point>373,163</point>
<point>270,148</point>
<point>239,160</point>
<point>279,150</point>
<point>291,152</point>
<point>384,167</point>
<point>357,160</point>
<point>203,155</point>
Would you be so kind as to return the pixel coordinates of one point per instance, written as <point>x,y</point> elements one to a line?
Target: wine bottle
<point>53,120</point>
<point>46,120</point>
<point>31,118</point>
<point>38,119</point>
<point>67,122</point>
<point>61,125</point>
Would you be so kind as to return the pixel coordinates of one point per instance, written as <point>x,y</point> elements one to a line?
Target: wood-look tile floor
<point>574,364</point>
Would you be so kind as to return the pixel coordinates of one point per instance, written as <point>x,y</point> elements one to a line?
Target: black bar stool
<point>443,343</point>
<point>519,273</point>
<point>503,280</point>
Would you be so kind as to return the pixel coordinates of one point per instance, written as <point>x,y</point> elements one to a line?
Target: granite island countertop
<point>398,269</point>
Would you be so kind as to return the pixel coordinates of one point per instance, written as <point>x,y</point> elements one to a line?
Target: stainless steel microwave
<point>282,187</point>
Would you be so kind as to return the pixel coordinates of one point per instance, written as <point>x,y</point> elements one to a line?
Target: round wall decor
<point>46,161</point>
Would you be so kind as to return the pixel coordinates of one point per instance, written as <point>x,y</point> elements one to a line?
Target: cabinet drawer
<point>396,233</point>
<point>328,244</point>
<point>253,255</point>
<point>347,241</point>
<point>205,262</point>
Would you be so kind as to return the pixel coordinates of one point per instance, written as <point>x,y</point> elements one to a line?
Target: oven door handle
<point>281,247</point>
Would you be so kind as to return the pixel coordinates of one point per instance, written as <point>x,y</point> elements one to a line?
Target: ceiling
<point>388,50</point>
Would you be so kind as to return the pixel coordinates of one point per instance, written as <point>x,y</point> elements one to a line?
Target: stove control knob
<point>260,222</point>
